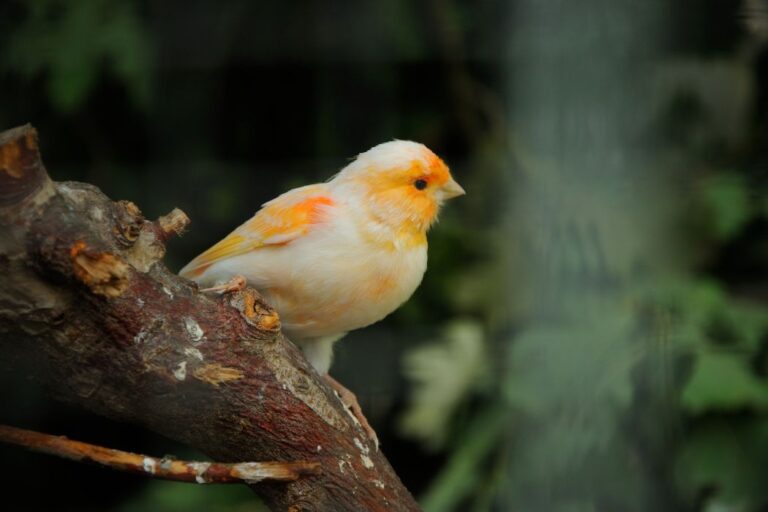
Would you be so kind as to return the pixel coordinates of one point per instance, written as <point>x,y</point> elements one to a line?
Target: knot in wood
<point>129,222</point>
<point>104,273</point>
<point>256,311</point>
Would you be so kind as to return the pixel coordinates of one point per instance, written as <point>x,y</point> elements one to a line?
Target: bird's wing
<point>279,222</point>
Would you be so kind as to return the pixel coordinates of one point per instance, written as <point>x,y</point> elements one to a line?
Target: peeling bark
<point>87,307</point>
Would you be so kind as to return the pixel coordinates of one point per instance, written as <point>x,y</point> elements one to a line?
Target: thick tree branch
<point>87,307</point>
<point>165,468</point>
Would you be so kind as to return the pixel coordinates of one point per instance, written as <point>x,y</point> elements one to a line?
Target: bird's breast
<point>341,280</point>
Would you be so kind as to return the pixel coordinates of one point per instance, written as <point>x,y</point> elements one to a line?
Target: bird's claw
<point>236,284</point>
<point>352,406</point>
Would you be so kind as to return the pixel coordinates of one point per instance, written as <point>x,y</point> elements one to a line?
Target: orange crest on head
<point>403,181</point>
<point>430,168</point>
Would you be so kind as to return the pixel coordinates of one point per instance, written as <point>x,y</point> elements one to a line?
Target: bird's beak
<point>451,189</point>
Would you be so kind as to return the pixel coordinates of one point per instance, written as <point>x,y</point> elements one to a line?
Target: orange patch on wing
<point>307,211</point>
<point>279,222</point>
<point>278,225</point>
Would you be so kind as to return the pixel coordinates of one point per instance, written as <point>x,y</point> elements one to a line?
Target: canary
<point>336,256</point>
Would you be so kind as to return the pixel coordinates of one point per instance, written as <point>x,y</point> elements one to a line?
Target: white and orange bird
<point>337,256</point>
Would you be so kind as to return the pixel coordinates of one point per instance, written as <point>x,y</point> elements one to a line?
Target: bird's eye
<point>420,184</point>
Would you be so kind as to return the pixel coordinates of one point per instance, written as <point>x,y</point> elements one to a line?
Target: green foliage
<point>628,356</point>
<point>724,382</point>
<point>571,386</point>
<point>729,456</point>
<point>727,400</point>
<point>184,497</point>
<point>464,475</point>
<point>71,43</point>
<point>444,373</point>
<point>726,200</point>
<point>592,364</point>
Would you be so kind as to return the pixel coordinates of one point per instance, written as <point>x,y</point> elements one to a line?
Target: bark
<point>87,307</point>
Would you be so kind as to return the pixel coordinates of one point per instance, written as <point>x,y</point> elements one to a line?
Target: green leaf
<point>161,496</point>
<point>576,366</point>
<point>726,198</point>
<point>442,374</point>
<point>572,385</point>
<point>461,474</point>
<point>729,457</point>
<point>722,381</point>
<point>700,313</point>
<point>72,43</point>
<point>70,82</point>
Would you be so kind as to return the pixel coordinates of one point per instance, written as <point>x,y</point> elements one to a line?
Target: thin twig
<point>165,468</point>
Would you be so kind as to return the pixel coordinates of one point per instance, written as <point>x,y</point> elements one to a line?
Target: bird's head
<point>404,183</point>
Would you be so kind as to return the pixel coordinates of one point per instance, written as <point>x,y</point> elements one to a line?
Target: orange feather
<point>279,222</point>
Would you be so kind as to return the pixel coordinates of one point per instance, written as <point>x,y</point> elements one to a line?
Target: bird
<point>337,256</point>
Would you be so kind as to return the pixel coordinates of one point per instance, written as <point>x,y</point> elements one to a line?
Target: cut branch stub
<point>21,171</point>
<point>89,308</point>
<point>174,223</point>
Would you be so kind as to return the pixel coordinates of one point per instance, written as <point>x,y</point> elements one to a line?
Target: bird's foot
<point>236,284</point>
<point>350,402</point>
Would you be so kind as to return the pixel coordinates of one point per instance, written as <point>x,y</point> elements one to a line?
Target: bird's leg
<point>349,400</point>
<point>235,284</point>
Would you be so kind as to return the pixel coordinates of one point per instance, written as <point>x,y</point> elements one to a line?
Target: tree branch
<point>165,468</point>
<point>87,307</point>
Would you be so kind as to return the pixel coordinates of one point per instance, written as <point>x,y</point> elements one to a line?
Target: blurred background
<point>592,332</point>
